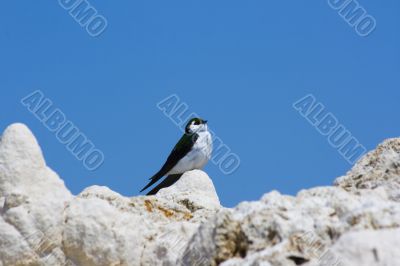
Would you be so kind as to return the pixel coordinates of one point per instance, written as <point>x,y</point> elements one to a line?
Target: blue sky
<point>239,64</point>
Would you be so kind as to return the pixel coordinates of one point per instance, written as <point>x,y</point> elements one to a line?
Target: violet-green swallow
<point>191,152</point>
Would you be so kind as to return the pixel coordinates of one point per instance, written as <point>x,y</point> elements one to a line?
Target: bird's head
<point>196,125</point>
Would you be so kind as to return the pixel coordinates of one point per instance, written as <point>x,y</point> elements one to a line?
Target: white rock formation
<point>356,222</point>
<point>286,231</point>
<point>102,227</point>
<point>368,247</point>
<point>41,223</point>
<point>33,198</point>
<point>379,169</point>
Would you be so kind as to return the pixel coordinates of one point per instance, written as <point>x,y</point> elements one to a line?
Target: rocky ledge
<point>354,222</point>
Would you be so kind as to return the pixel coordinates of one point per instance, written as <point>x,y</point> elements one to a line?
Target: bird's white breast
<point>197,157</point>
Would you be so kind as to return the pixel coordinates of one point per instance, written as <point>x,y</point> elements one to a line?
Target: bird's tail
<point>153,179</point>
<point>168,181</point>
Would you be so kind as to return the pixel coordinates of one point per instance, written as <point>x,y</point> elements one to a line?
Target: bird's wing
<point>168,181</point>
<point>182,148</point>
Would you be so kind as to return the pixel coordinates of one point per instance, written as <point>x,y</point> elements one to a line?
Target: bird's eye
<point>197,123</point>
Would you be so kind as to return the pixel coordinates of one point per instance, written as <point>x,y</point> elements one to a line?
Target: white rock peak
<point>355,222</point>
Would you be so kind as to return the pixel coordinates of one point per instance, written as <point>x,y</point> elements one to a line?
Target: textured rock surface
<point>321,226</point>
<point>41,223</point>
<point>33,198</point>
<point>369,248</point>
<point>104,228</point>
<point>355,222</point>
<point>379,169</point>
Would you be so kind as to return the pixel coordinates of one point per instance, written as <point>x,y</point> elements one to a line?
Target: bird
<point>192,151</point>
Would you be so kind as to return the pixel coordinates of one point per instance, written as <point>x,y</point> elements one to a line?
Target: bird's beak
<point>205,121</point>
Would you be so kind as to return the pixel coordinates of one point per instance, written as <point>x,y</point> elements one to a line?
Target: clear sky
<point>239,64</point>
